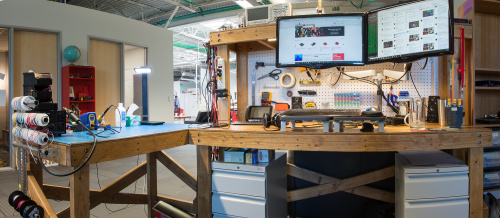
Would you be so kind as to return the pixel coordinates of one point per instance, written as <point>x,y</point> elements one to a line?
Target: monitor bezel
<point>414,56</point>
<point>325,65</point>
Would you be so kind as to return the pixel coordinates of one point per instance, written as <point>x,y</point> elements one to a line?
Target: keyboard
<point>322,112</point>
<point>248,123</point>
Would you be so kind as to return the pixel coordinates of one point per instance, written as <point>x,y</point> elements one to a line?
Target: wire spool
<point>26,207</point>
<point>32,119</point>
<point>15,196</point>
<point>22,205</point>
<point>33,211</point>
<point>292,80</point>
<point>24,103</point>
<point>31,135</point>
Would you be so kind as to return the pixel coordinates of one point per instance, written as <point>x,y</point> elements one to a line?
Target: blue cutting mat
<point>127,132</point>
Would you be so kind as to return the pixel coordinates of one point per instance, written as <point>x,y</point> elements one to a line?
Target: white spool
<point>31,135</point>
<point>292,82</point>
<point>23,103</point>
<point>32,119</point>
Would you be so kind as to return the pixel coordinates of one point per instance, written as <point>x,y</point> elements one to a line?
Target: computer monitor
<point>410,31</point>
<point>321,41</point>
<point>257,112</point>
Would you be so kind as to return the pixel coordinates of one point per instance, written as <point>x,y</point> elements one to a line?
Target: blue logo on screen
<point>298,57</point>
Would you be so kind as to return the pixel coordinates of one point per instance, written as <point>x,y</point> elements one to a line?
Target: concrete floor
<point>168,184</point>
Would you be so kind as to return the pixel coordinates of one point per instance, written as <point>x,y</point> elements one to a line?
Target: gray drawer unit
<point>424,189</point>
<point>250,190</point>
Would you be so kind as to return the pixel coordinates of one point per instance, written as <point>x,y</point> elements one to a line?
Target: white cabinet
<point>250,190</point>
<point>435,184</point>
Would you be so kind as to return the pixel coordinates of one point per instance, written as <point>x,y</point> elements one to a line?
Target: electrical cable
<point>99,183</point>
<point>425,64</point>
<point>358,7</point>
<point>73,117</point>
<point>415,85</point>
<point>340,69</point>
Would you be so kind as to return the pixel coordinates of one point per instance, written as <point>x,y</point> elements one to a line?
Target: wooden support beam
<point>38,196</point>
<point>152,183</point>
<point>242,79</point>
<point>79,193</point>
<point>64,213</point>
<point>61,193</point>
<point>475,162</point>
<point>116,186</point>
<point>181,204</point>
<point>266,44</point>
<point>317,178</point>
<point>342,185</point>
<point>204,191</point>
<point>177,169</point>
<point>247,34</point>
<point>224,104</point>
<point>37,171</point>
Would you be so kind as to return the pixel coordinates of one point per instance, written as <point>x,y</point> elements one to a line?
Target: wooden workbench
<point>70,150</point>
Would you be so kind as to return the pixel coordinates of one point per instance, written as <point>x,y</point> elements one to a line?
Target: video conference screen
<point>412,29</point>
<point>321,40</point>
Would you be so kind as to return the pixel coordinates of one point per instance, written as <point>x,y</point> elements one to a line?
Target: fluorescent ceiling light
<point>142,70</point>
<point>244,4</point>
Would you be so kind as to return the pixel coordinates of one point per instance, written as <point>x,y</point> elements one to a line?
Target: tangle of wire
<point>99,183</point>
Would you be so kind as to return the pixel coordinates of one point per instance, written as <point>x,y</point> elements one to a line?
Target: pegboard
<point>426,81</point>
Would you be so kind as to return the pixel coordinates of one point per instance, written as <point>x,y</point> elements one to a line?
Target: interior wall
<point>77,25</point>
<point>35,51</point>
<point>106,58</point>
<point>133,58</point>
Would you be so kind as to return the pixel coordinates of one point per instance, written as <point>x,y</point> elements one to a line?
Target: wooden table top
<point>395,138</point>
<point>73,148</point>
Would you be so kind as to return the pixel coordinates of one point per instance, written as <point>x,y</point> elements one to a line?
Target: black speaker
<point>432,109</point>
<point>297,102</point>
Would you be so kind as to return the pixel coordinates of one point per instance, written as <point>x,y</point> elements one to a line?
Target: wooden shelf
<point>487,88</point>
<point>81,101</point>
<point>491,189</point>
<point>487,125</point>
<point>487,7</point>
<point>488,71</point>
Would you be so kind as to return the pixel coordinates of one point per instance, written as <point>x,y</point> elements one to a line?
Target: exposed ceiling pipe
<point>180,5</point>
<point>171,16</point>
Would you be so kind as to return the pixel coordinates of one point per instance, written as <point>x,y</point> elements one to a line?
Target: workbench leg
<point>380,126</point>
<point>204,192</point>
<point>152,183</point>
<point>37,171</point>
<point>326,126</point>
<point>475,162</point>
<point>336,126</point>
<point>79,193</point>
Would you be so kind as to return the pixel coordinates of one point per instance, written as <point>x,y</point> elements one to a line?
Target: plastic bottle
<point>120,117</point>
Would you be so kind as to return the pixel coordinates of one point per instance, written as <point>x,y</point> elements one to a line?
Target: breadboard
<point>425,80</point>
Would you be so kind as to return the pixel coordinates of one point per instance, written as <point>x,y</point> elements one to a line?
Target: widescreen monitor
<point>321,41</point>
<point>410,31</point>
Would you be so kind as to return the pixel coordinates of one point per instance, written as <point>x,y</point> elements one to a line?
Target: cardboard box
<point>265,156</point>
<point>234,155</point>
<point>251,156</point>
